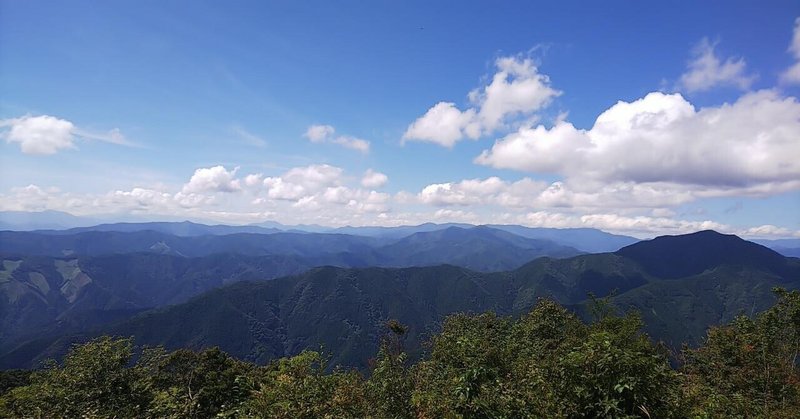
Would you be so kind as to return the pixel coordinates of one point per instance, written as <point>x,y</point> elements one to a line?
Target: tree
<point>94,381</point>
<point>616,371</point>
<point>188,384</point>
<point>389,387</point>
<point>297,387</point>
<point>749,367</point>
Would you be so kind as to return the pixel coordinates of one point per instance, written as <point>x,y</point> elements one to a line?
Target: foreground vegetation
<point>545,364</point>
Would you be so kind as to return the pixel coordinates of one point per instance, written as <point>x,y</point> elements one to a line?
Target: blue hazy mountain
<point>680,284</point>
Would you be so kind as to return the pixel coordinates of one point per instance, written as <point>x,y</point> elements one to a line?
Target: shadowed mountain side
<point>680,310</point>
<point>690,254</point>
<point>343,310</point>
<point>44,295</point>
<point>53,294</point>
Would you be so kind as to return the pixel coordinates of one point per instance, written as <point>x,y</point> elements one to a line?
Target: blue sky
<point>204,111</point>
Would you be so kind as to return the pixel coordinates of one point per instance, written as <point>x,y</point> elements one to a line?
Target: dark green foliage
<point>343,309</point>
<point>617,372</point>
<point>94,381</point>
<point>390,385</point>
<point>547,363</point>
<point>187,384</point>
<point>749,368</point>
<point>10,379</point>
<point>297,387</point>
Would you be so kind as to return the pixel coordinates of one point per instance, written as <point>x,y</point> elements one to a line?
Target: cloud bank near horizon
<point>632,171</point>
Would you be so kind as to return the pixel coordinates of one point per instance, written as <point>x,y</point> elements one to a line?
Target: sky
<point>642,118</point>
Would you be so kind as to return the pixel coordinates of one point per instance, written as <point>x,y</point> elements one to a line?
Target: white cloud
<point>40,134</point>
<point>140,198</point>
<point>528,193</point>
<point>466,192</point>
<point>444,124</point>
<point>352,143</point>
<point>193,200</point>
<point>792,74</point>
<point>662,141</point>
<point>45,134</point>
<point>373,179</point>
<point>113,136</point>
<point>341,205</point>
<point>768,230</point>
<point>322,189</point>
<point>253,179</point>
<point>516,89</point>
<point>301,182</point>
<point>707,70</point>
<point>213,179</point>
<point>319,133</point>
<point>325,134</point>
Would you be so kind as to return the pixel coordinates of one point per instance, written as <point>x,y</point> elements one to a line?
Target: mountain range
<point>681,285</point>
<point>54,281</point>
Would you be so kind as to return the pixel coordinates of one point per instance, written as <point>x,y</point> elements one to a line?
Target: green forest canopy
<point>545,364</point>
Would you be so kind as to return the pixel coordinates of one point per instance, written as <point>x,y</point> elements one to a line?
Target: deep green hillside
<point>42,295</point>
<point>342,309</point>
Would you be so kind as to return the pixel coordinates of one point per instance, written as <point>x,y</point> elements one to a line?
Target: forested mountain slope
<point>343,309</point>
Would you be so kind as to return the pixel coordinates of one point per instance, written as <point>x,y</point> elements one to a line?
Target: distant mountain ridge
<point>51,280</point>
<point>343,309</point>
<point>583,239</point>
<point>183,228</point>
<point>479,248</point>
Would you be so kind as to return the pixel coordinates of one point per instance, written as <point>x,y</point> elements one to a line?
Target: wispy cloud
<point>45,134</point>
<point>707,70</point>
<point>327,134</point>
<point>248,137</point>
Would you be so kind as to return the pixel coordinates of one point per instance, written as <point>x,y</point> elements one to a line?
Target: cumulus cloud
<point>661,140</point>
<point>342,205</point>
<point>516,89</point>
<point>326,134</point>
<point>444,124</point>
<point>45,134</point>
<point>792,74</point>
<point>323,188</point>
<point>358,201</point>
<point>491,190</point>
<point>528,193</point>
<point>213,179</point>
<point>301,182</point>
<point>373,179</point>
<point>40,134</point>
<point>253,179</point>
<point>707,70</point>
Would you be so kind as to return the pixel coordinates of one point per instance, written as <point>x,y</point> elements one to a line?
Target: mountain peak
<point>691,254</point>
